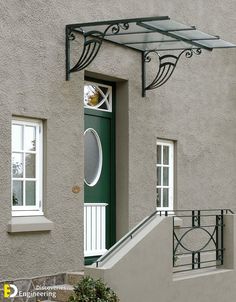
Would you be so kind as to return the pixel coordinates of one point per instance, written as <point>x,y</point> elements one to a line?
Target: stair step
<point>74,277</point>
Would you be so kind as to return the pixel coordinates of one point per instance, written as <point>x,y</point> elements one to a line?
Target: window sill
<point>26,213</point>
<point>29,224</point>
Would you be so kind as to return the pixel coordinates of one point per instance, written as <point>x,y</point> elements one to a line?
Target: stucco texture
<point>141,269</point>
<point>196,108</point>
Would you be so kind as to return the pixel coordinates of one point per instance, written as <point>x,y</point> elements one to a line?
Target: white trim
<point>94,254</point>
<point>100,154</point>
<point>36,209</point>
<point>90,204</point>
<point>170,167</point>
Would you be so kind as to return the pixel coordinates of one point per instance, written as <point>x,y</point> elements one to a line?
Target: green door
<point>99,183</point>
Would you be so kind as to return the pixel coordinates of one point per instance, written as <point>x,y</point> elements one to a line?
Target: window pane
<point>91,95</point>
<point>104,103</point>
<point>98,97</point>
<point>93,157</point>
<point>17,193</point>
<point>165,197</point>
<point>30,165</point>
<point>159,176</point>
<point>165,155</point>
<point>165,176</point>
<point>158,154</point>
<point>17,137</point>
<point>30,193</point>
<point>30,138</point>
<point>17,165</point>
<point>159,197</point>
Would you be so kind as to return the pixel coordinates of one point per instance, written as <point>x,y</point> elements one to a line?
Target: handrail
<point>172,212</point>
<point>127,236</point>
<point>144,221</point>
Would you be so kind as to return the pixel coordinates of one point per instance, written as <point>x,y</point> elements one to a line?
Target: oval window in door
<point>92,157</point>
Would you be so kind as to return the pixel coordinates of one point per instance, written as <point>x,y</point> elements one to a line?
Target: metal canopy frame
<point>149,36</point>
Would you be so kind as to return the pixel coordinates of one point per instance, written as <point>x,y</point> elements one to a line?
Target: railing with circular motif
<point>198,239</point>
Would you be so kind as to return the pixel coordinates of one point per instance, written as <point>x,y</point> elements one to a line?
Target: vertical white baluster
<point>94,229</point>
<point>85,230</point>
<point>98,231</point>
<point>89,228</point>
<point>103,229</point>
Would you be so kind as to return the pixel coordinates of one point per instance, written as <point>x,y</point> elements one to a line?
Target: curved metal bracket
<point>166,67</point>
<point>91,45</point>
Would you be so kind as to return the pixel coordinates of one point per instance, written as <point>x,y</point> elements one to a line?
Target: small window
<point>165,174</point>
<point>92,157</point>
<point>26,167</point>
<point>98,96</point>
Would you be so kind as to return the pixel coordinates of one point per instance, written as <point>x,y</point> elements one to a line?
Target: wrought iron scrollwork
<point>166,65</point>
<point>71,36</point>
<point>91,45</point>
<point>115,28</point>
<point>92,42</point>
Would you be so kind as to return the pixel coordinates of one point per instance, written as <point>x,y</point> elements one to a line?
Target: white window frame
<point>38,208</point>
<point>170,144</point>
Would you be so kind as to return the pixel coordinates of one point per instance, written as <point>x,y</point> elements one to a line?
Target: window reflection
<point>98,96</point>
<point>17,165</point>
<point>30,142</point>
<point>164,172</point>
<point>17,137</point>
<point>17,193</point>
<point>25,155</point>
<point>93,157</point>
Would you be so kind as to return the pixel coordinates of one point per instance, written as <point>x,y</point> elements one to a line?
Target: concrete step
<point>63,292</point>
<point>73,278</point>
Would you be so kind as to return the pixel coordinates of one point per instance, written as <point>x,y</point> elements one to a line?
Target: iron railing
<point>198,238</point>
<point>204,228</point>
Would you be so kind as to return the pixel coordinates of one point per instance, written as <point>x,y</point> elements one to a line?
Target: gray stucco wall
<point>196,108</point>
<point>141,269</point>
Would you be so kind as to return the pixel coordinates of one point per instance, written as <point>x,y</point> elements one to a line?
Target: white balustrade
<point>94,229</point>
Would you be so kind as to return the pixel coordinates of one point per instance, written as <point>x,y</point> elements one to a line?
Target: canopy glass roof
<point>159,33</point>
<point>149,36</point>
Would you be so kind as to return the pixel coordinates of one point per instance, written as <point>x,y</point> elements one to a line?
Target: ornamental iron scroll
<point>148,35</point>
<point>166,66</point>
<point>91,45</point>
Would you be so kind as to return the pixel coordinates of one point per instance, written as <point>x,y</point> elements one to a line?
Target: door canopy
<point>154,36</point>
